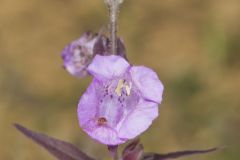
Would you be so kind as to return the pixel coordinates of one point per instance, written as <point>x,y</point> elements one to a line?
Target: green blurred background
<point>194,45</point>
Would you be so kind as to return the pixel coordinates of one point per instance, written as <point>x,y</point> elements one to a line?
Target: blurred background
<point>194,45</point>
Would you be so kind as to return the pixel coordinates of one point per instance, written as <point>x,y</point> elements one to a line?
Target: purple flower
<point>121,102</point>
<point>78,54</point>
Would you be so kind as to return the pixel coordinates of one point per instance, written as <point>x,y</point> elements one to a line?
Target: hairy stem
<point>113,28</point>
<point>113,6</point>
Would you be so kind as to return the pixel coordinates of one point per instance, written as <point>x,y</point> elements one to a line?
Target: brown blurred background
<point>194,45</point>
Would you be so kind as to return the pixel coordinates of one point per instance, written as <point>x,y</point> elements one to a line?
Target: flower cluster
<point>122,100</point>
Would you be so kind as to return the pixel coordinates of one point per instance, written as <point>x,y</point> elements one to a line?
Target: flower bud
<point>133,151</point>
<point>78,54</point>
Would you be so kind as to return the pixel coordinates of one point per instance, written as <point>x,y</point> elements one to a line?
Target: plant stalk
<point>113,6</point>
<point>113,151</point>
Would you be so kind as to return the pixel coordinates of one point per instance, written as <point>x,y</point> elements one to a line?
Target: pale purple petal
<point>87,105</point>
<point>107,67</point>
<point>111,110</point>
<point>87,116</point>
<point>106,135</point>
<point>102,133</point>
<point>138,120</point>
<point>148,83</point>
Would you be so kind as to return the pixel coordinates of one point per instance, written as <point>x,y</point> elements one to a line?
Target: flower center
<point>117,98</point>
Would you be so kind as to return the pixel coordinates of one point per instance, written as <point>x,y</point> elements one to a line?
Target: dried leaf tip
<point>178,154</point>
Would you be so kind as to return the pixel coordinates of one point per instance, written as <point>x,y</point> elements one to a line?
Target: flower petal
<point>107,67</point>
<point>87,105</point>
<point>87,109</point>
<point>102,133</point>
<point>139,119</point>
<point>106,136</point>
<point>148,83</point>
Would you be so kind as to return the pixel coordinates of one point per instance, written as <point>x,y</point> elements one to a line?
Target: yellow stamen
<point>128,88</point>
<point>122,84</point>
<point>119,87</point>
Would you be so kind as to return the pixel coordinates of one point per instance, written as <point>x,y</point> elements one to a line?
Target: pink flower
<point>121,102</point>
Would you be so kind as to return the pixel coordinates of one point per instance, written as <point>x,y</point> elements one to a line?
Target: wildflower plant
<point>120,103</point>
